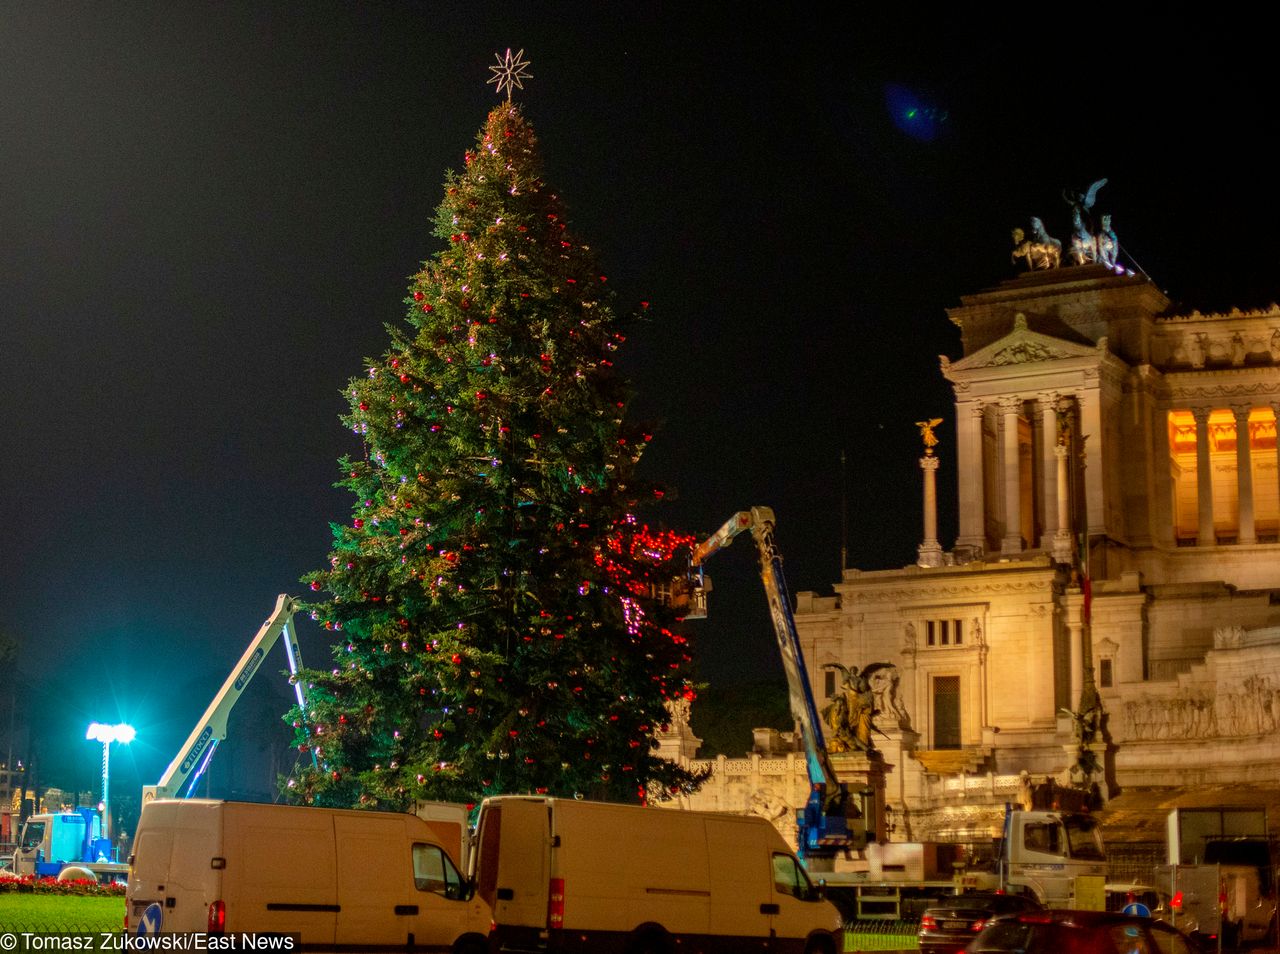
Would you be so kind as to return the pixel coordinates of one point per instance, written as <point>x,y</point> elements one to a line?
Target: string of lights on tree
<point>493,596</point>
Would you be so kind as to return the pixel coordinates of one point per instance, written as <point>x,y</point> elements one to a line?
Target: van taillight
<point>217,917</point>
<point>555,904</point>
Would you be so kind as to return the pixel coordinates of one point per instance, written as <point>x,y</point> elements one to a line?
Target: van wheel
<point>471,945</point>
<point>649,943</point>
<point>819,945</point>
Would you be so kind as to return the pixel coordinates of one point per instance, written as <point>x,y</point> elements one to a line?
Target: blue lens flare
<point>913,114</point>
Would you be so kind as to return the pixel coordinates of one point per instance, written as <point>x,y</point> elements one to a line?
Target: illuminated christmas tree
<point>493,596</point>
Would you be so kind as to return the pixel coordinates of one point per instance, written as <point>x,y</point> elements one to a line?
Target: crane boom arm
<point>194,756</point>
<point>759,521</point>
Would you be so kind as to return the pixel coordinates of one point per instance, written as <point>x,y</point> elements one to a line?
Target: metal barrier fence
<point>860,936</point>
<point>10,926</point>
<point>1134,862</point>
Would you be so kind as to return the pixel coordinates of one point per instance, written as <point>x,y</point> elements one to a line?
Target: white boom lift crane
<point>824,824</point>
<point>184,772</point>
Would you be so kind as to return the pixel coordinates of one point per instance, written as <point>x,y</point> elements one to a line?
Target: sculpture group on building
<point>1093,240</point>
<point>849,718</point>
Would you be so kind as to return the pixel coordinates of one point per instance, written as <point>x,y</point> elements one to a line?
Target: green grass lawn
<point>59,912</point>
<point>866,937</point>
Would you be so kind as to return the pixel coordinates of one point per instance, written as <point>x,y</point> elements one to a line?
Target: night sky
<point>209,211</point>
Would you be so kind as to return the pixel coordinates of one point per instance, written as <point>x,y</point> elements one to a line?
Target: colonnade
<point>998,464</point>
<point>1246,528</point>
<point>1002,478</point>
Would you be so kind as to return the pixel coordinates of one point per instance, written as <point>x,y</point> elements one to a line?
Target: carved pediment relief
<point>1020,346</point>
<point>1020,352</point>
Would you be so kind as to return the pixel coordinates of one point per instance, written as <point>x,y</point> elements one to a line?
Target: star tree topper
<point>509,72</point>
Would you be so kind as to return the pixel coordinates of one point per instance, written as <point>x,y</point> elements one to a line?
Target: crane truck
<point>66,844</point>
<point>1041,852</point>
<point>824,824</point>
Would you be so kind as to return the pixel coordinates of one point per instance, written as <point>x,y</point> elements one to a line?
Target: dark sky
<point>208,212</point>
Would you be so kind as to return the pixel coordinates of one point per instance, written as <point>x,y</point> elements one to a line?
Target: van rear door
<point>149,873</point>
<point>513,866</point>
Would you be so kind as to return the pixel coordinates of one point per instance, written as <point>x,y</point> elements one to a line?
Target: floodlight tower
<point>106,734</point>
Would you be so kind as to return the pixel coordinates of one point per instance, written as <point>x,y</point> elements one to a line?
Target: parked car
<point>1080,932</point>
<point>948,924</point>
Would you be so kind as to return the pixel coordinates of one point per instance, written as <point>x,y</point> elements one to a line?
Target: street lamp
<point>106,734</point>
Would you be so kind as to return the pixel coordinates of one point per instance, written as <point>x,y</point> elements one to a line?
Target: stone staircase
<point>944,762</point>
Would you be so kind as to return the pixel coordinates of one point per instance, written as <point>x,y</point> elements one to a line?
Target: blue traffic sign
<point>1138,908</point>
<point>149,923</point>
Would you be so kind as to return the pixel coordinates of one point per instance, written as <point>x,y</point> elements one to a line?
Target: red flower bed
<point>29,884</point>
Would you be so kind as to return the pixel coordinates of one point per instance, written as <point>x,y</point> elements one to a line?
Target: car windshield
<point>33,834</point>
<point>1083,839</point>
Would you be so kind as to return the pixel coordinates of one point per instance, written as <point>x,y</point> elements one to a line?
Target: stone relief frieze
<point>1023,352</point>
<point>956,592</point>
<point>1228,637</point>
<point>1223,389</point>
<point>1271,311</point>
<point>1251,708</point>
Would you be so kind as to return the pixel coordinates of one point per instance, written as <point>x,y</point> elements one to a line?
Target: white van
<point>565,875</point>
<point>334,877</point>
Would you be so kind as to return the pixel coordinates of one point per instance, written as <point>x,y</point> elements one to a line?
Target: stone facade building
<point>1119,515</point>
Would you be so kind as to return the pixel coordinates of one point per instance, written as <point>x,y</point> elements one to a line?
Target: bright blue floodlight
<point>106,734</point>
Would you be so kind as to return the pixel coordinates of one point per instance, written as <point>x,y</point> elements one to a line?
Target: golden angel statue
<point>927,435</point>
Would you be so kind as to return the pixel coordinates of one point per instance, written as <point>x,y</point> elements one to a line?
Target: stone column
<point>930,552</point>
<point>1095,511</point>
<point>1204,478</point>
<point>1012,542</point>
<point>1049,470</point>
<point>973,528</point>
<point>1163,515</point>
<point>1275,408</point>
<point>1246,531</point>
<point>1062,544</point>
